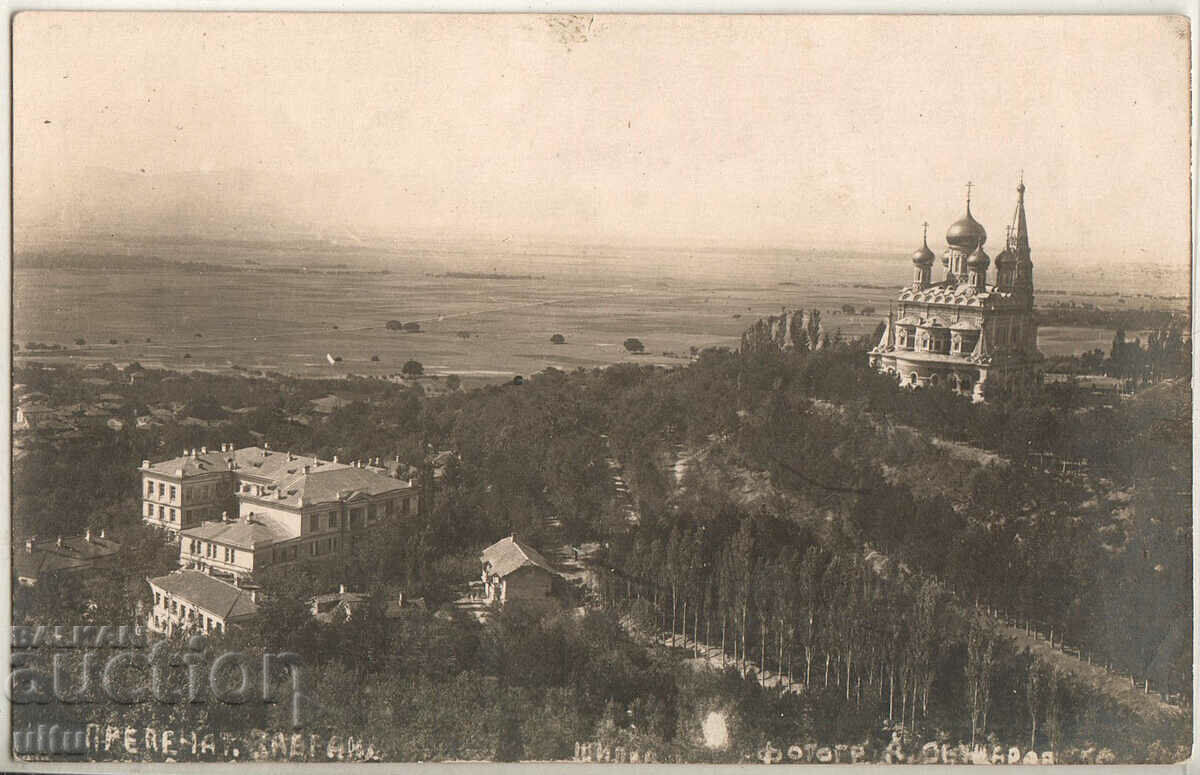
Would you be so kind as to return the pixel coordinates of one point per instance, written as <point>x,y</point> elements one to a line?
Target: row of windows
<point>212,550</point>
<point>185,613</point>
<point>332,520</point>
<point>199,493</point>
<point>315,549</point>
<point>164,513</point>
<point>163,489</point>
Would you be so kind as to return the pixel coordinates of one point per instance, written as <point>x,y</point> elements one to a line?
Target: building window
<point>172,606</point>
<point>314,523</point>
<point>162,512</point>
<point>172,490</point>
<point>312,549</point>
<point>162,489</point>
<point>233,555</point>
<point>371,512</point>
<point>149,489</point>
<point>157,599</point>
<point>172,513</point>
<point>333,519</point>
<point>149,509</point>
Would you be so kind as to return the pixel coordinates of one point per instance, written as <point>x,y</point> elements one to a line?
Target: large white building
<point>236,511</point>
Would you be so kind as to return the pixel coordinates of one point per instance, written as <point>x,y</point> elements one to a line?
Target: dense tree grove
<point>798,512</point>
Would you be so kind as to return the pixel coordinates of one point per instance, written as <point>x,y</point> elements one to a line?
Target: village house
<point>192,601</point>
<point>512,570</point>
<point>74,556</point>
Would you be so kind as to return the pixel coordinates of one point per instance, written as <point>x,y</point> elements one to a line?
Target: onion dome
<point>923,256</point>
<point>978,259</point>
<point>966,232</point>
<point>1006,258</point>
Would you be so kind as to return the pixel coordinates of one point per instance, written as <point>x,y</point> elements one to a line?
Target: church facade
<point>964,332</point>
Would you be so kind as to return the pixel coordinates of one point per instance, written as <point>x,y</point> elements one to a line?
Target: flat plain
<point>291,312</point>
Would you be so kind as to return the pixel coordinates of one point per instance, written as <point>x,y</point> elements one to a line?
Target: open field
<point>285,318</point>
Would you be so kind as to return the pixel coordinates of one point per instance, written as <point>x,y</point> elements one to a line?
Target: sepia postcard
<point>618,389</point>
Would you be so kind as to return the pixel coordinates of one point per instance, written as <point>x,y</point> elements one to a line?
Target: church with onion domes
<point>964,332</point>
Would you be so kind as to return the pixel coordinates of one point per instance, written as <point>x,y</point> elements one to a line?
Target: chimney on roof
<point>291,456</point>
<point>58,542</point>
<point>400,598</point>
<point>224,516</point>
<point>145,464</point>
<point>101,532</point>
<point>87,535</point>
<point>335,458</point>
<point>204,450</point>
<point>341,589</point>
<point>307,468</point>
<point>29,545</point>
<point>248,517</point>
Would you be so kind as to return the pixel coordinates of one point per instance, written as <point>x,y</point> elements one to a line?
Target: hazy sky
<point>828,131</point>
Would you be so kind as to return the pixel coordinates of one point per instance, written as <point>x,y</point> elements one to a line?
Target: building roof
<point>511,554</point>
<point>299,479</point>
<point>203,591</point>
<point>331,483</point>
<point>75,553</point>
<point>246,533</point>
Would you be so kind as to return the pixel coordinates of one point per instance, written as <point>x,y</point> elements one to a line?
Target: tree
<point>80,341</point>
<point>453,382</point>
<point>374,358</point>
<point>412,369</point>
<point>981,643</point>
<point>412,328</point>
<point>1033,696</point>
<point>634,345</point>
<point>394,325</point>
<point>558,339</point>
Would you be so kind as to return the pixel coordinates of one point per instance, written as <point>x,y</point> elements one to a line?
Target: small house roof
<point>510,554</point>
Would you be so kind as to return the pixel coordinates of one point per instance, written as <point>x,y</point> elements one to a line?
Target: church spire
<point>1020,232</point>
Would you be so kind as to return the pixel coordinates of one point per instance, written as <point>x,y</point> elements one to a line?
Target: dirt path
<point>1119,687</point>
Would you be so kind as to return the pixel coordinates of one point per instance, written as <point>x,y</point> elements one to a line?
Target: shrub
<point>412,369</point>
<point>558,339</point>
<point>634,345</point>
